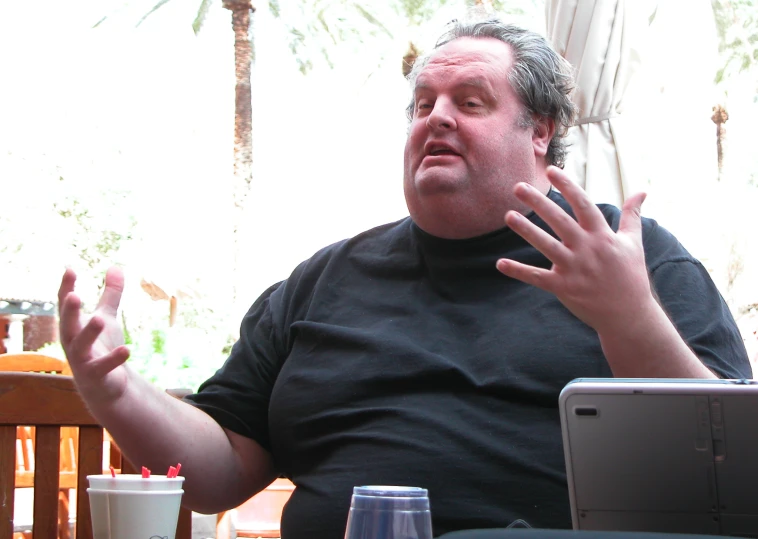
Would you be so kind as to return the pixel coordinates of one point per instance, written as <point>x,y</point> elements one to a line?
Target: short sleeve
<point>237,395</point>
<point>695,306</point>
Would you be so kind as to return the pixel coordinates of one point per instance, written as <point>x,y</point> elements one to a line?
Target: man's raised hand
<point>94,345</point>
<point>598,274</point>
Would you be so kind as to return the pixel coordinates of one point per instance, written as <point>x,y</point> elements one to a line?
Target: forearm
<point>648,345</point>
<point>156,430</point>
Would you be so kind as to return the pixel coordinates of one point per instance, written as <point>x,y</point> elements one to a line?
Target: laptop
<point>662,455</point>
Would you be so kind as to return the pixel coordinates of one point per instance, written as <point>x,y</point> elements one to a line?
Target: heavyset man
<point>430,352</point>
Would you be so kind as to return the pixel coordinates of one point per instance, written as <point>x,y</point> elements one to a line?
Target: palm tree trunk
<point>720,116</point>
<point>242,11</point>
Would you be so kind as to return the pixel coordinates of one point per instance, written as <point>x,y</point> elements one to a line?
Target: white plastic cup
<point>134,509</point>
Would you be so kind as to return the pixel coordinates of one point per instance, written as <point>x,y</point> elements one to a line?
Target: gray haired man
<point>431,351</point>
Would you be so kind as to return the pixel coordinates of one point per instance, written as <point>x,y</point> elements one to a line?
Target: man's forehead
<point>473,60</point>
<point>468,50</point>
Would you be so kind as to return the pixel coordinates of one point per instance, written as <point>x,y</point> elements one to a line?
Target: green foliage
<point>104,242</point>
<point>227,349</point>
<point>98,226</point>
<point>202,13</point>
<point>183,355</point>
<point>418,11</point>
<point>155,8</point>
<point>52,349</point>
<point>317,28</point>
<point>170,357</point>
<point>275,9</point>
<point>320,28</point>
<point>159,341</point>
<point>737,26</point>
<point>127,335</point>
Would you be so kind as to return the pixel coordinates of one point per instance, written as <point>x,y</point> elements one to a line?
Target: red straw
<point>145,473</point>
<point>113,472</point>
<point>173,472</point>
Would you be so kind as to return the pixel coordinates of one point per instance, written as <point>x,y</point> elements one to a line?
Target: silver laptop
<point>662,455</point>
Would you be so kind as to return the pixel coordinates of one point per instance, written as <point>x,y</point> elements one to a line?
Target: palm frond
<point>373,20</point>
<point>273,6</point>
<point>202,13</point>
<point>156,7</point>
<point>653,15</point>
<point>112,14</point>
<point>325,25</point>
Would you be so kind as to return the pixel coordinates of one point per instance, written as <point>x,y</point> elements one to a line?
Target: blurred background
<point>117,146</point>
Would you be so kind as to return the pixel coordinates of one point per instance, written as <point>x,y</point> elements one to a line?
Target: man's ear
<point>542,134</point>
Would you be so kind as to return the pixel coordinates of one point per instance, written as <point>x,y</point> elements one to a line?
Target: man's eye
<point>472,104</point>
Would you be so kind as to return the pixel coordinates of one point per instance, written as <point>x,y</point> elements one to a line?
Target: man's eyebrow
<point>420,85</point>
<point>476,82</point>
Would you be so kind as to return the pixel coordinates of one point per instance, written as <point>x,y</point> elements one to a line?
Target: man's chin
<point>432,184</point>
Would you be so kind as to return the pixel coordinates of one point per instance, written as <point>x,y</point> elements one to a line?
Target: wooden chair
<point>260,516</point>
<point>40,363</point>
<point>49,403</point>
<point>33,362</point>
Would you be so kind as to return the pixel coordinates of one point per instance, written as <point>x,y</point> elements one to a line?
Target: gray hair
<point>541,77</point>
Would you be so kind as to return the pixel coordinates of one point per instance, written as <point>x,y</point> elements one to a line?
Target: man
<point>430,352</point>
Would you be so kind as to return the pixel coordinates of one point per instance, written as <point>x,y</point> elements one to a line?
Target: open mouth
<point>439,149</point>
<point>443,151</point>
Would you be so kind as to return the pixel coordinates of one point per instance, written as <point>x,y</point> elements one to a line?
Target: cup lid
<point>390,498</point>
<point>115,492</point>
<point>391,490</point>
<point>135,477</point>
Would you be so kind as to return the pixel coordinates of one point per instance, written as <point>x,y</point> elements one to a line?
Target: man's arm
<point>649,347</point>
<point>153,429</point>
<point>601,277</point>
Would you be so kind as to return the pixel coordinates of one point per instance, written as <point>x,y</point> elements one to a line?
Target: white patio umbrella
<point>601,39</point>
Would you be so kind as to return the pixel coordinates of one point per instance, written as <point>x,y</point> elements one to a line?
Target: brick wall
<point>40,330</point>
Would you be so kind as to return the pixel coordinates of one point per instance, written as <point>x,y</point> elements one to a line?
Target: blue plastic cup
<point>387,512</point>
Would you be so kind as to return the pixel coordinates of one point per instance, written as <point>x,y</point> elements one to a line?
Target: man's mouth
<point>442,152</point>
<point>436,149</point>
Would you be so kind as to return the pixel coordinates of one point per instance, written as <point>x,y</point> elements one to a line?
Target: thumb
<point>631,214</point>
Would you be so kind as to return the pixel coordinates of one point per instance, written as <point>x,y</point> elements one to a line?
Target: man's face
<point>466,148</point>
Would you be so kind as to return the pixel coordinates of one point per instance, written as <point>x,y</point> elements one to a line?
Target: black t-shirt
<point>399,358</point>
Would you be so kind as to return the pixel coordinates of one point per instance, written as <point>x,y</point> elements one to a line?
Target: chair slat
<point>46,454</point>
<point>184,525</point>
<point>7,478</point>
<point>41,399</point>
<point>90,463</point>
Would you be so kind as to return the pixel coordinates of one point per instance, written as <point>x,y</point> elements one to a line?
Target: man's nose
<point>442,115</point>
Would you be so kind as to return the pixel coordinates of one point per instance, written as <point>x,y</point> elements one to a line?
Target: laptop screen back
<point>662,455</point>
